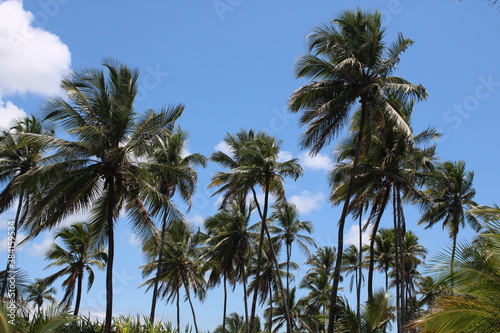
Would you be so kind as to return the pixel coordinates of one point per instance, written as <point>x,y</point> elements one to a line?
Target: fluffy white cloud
<point>307,201</point>
<point>39,249</point>
<point>284,156</point>
<point>223,147</point>
<point>9,112</point>
<point>196,219</point>
<point>317,162</point>
<point>31,58</point>
<point>352,236</point>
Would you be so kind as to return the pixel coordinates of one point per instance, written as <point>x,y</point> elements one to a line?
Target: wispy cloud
<point>318,162</point>
<point>307,201</point>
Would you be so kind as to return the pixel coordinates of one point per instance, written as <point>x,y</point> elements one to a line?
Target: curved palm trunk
<point>270,307</point>
<point>78,292</point>
<point>111,257</point>
<point>158,272</point>
<point>341,223</point>
<point>188,294</point>
<point>14,236</point>
<point>372,242</point>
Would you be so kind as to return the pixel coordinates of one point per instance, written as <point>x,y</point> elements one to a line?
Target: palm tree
<point>183,267</point>
<point>470,301</point>
<point>288,230</point>
<point>254,162</point>
<point>352,263</point>
<point>232,241</point>
<point>348,63</point>
<point>384,252</point>
<point>101,171</point>
<point>237,324</point>
<point>81,254</point>
<point>451,194</point>
<point>38,292</point>
<point>175,173</point>
<point>18,155</point>
<point>299,318</point>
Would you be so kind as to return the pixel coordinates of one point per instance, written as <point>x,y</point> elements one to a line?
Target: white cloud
<point>9,112</point>
<point>284,156</point>
<point>196,219</point>
<point>307,201</point>
<point>317,162</point>
<point>39,250</point>
<point>352,236</point>
<point>31,58</point>
<point>223,147</point>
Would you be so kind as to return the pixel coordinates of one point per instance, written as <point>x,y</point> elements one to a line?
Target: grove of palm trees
<point>92,152</point>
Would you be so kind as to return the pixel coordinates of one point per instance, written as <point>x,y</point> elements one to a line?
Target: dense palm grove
<point>116,161</point>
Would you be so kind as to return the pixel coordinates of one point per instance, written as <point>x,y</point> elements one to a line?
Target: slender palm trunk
<point>288,256</point>
<point>452,261</point>
<point>158,271</point>
<point>178,304</point>
<point>14,236</point>
<point>359,272</point>
<point>188,294</point>
<point>225,305</point>
<point>341,223</point>
<point>78,292</point>
<point>402,249</point>
<point>397,264</point>
<point>371,267</point>
<point>111,257</point>
<point>270,307</point>
<point>245,294</point>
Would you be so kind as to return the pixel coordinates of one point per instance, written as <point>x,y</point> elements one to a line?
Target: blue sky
<point>231,63</point>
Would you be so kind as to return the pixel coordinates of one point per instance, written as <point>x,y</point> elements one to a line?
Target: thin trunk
<point>14,236</point>
<point>178,311</point>
<point>224,310</point>
<point>271,307</point>
<point>78,292</point>
<point>192,310</point>
<point>288,256</point>
<point>402,249</point>
<point>341,223</point>
<point>397,267</point>
<point>452,261</point>
<point>371,267</point>
<point>245,295</point>
<point>111,255</point>
<point>358,277</point>
<point>158,271</point>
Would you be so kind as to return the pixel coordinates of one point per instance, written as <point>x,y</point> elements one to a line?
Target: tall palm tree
<point>81,254</point>
<point>183,267</point>
<point>254,163</point>
<point>18,155</point>
<point>349,63</point>
<point>38,292</point>
<point>384,252</point>
<point>287,229</point>
<point>352,263</point>
<point>175,173</point>
<point>451,194</point>
<point>100,170</point>
<point>232,241</point>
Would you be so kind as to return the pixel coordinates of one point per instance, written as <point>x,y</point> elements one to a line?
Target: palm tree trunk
<point>245,295</point>
<point>14,236</point>
<point>158,271</point>
<point>452,261</point>
<point>111,256</point>
<point>78,292</point>
<point>397,264</point>
<point>270,307</point>
<point>192,309</point>
<point>359,272</point>
<point>341,223</point>
<point>178,311</point>
<point>402,249</point>
<point>371,267</point>
<point>225,305</point>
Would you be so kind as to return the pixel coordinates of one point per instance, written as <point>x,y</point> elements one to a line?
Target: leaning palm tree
<point>254,163</point>
<point>38,292</point>
<point>81,254</point>
<point>100,170</point>
<point>349,63</point>
<point>175,173</point>
<point>451,194</point>
<point>287,228</point>
<point>18,155</point>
